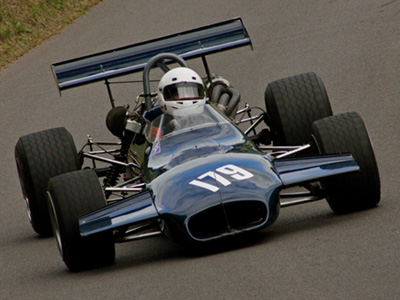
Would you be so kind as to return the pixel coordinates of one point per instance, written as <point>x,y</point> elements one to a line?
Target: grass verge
<point>24,24</point>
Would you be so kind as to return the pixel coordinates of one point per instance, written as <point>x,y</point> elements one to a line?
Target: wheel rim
<point>25,195</point>
<point>55,225</point>
<point>28,208</point>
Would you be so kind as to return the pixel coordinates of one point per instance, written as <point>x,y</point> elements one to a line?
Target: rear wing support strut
<point>107,83</point>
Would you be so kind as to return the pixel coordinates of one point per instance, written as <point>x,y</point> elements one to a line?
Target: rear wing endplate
<point>133,58</point>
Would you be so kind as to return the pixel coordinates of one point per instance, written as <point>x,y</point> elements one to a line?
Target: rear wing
<point>133,58</point>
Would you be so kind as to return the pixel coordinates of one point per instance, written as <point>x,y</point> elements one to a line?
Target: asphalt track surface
<point>309,253</point>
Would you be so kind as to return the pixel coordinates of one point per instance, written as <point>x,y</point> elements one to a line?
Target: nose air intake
<point>227,219</point>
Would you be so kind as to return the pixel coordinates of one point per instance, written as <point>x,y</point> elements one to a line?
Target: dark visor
<point>184,91</point>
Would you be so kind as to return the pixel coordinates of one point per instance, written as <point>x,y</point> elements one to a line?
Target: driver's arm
<point>153,113</point>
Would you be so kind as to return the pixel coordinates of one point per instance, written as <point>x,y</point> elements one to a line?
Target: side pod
<point>294,171</point>
<point>137,209</point>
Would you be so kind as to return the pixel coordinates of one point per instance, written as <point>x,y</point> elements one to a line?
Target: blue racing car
<point>188,161</point>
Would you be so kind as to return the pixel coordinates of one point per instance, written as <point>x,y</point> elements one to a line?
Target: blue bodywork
<point>208,181</point>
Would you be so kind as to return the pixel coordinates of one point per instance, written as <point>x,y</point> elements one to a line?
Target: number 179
<point>233,171</point>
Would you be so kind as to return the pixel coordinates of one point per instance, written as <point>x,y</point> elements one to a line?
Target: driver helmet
<point>181,92</point>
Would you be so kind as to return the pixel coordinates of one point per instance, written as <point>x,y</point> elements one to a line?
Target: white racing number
<point>233,171</point>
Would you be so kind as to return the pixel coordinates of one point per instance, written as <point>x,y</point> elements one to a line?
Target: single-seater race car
<point>190,174</point>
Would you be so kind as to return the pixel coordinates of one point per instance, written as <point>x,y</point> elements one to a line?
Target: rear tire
<point>293,104</point>
<point>40,156</point>
<point>346,133</point>
<point>70,196</point>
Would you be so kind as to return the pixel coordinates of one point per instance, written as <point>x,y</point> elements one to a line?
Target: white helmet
<point>181,91</point>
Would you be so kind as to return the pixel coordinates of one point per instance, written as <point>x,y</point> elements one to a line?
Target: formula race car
<point>189,163</point>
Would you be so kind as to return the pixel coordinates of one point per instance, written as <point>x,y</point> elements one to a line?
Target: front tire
<point>70,196</point>
<point>346,133</point>
<point>40,156</point>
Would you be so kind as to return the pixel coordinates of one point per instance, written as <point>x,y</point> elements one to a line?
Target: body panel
<point>211,182</point>
<point>216,196</point>
<point>136,209</point>
<point>295,171</point>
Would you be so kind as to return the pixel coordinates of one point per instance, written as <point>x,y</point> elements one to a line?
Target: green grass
<point>24,24</point>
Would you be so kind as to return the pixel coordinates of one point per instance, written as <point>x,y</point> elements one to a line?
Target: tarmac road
<point>309,253</point>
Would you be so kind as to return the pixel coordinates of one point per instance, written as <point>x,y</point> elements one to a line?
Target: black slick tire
<point>346,133</point>
<point>40,156</point>
<point>70,196</point>
<point>293,104</point>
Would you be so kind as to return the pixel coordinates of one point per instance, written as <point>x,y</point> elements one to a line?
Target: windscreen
<point>167,124</point>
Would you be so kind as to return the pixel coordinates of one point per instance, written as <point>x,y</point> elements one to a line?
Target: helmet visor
<point>183,91</point>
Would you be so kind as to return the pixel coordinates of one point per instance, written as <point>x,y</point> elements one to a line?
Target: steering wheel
<point>160,60</point>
